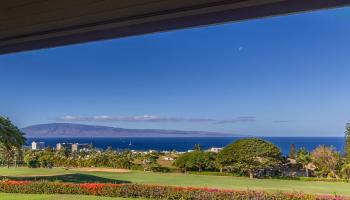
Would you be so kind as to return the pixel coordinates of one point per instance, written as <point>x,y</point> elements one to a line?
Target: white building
<point>168,158</point>
<point>81,147</point>
<point>60,146</point>
<point>215,149</point>
<point>38,145</point>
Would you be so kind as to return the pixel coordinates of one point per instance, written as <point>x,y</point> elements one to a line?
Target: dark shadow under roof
<point>35,24</point>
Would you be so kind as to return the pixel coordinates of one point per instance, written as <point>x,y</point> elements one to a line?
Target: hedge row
<point>312,179</point>
<point>151,191</point>
<point>274,177</point>
<point>214,173</point>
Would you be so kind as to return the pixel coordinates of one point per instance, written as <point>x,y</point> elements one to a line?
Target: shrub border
<point>152,191</point>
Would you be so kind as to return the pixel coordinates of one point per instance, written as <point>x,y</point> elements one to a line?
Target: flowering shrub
<point>152,191</point>
<point>312,179</point>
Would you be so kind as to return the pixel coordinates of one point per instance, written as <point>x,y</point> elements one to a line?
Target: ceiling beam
<point>86,27</point>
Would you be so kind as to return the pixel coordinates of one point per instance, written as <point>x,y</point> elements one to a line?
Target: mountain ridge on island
<point>72,130</point>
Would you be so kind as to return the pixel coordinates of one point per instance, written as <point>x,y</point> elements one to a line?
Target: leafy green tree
<point>125,160</point>
<point>31,159</point>
<point>182,162</point>
<point>347,142</point>
<point>11,140</point>
<point>223,160</point>
<point>250,156</point>
<point>60,157</point>
<point>46,157</point>
<point>196,160</point>
<point>200,160</point>
<point>150,161</point>
<point>304,158</point>
<point>345,170</point>
<point>18,156</point>
<point>327,161</point>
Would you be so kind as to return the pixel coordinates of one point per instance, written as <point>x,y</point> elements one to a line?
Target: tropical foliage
<point>11,142</point>
<point>347,142</point>
<point>327,161</point>
<point>304,158</point>
<point>63,158</point>
<point>250,156</point>
<point>196,160</point>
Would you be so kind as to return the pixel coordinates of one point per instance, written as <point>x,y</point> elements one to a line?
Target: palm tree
<point>345,170</point>
<point>304,158</point>
<point>197,147</point>
<point>11,139</point>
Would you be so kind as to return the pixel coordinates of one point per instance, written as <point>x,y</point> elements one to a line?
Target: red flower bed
<point>153,191</point>
<point>18,182</point>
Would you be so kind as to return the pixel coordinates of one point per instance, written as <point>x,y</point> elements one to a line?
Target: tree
<point>304,158</point>
<point>45,157</point>
<point>327,161</point>
<point>345,170</point>
<point>60,157</point>
<point>292,152</point>
<point>196,160</point>
<point>125,160</point>
<point>347,142</point>
<point>197,147</point>
<point>11,140</point>
<point>250,156</point>
<point>150,161</point>
<point>31,159</point>
<point>200,160</point>
<point>182,162</point>
<point>18,156</point>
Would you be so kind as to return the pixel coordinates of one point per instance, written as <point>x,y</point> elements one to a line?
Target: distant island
<point>69,130</point>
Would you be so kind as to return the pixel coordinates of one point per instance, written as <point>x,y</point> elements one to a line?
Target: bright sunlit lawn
<point>177,180</point>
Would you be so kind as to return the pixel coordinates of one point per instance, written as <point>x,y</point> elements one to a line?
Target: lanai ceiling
<point>35,24</point>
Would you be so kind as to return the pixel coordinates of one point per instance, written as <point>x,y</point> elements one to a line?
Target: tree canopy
<point>11,140</point>
<point>304,158</point>
<point>197,159</point>
<point>347,142</point>
<point>250,156</point>
<point>327,161</point>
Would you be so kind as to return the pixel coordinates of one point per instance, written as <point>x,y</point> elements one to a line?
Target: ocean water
<point>184,144</point>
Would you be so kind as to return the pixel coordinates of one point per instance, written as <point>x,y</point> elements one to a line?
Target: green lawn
<point>4,196</point>
<point>179,180</point>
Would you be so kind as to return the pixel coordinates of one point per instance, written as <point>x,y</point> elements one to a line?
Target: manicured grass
<point>24,171</point>
<point>182,180</point>
<point>4,196</point>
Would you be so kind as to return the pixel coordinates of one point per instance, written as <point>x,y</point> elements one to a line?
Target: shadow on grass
<point>71,178</point>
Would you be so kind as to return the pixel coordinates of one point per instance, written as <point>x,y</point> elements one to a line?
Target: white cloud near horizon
<point>151,118</point>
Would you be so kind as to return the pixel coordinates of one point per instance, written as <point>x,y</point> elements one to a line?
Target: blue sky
<point>280,76</point>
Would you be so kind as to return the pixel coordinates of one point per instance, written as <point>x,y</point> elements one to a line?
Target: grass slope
<point>179,180</point>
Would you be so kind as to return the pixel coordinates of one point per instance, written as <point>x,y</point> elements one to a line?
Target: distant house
<point>60,146</point>
<point>81,147</point>
<point>38,145</point>
<point>215,149</point>
<point>168,158</point>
